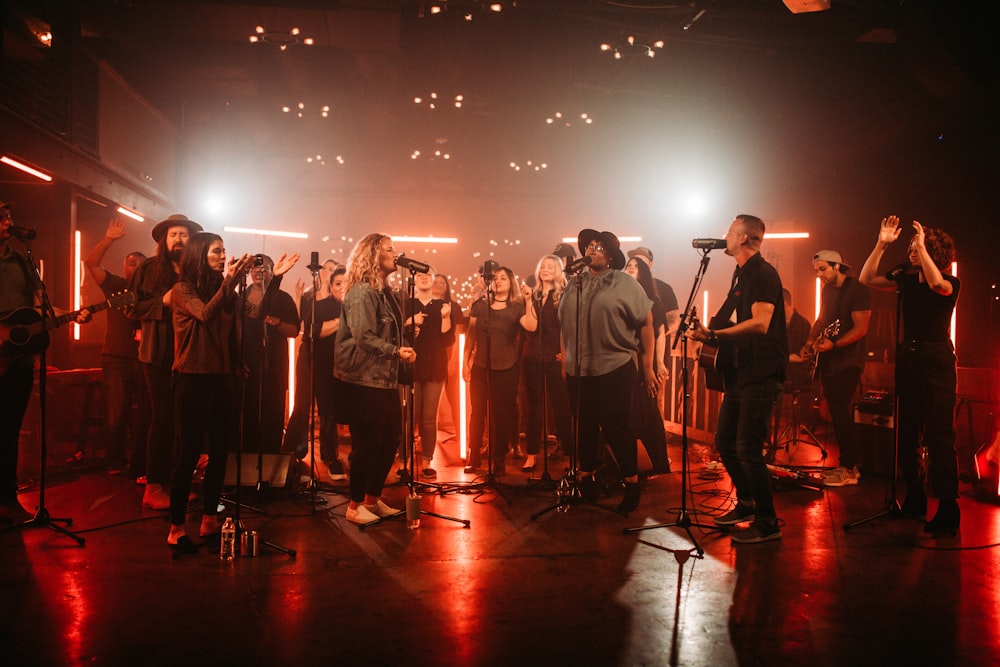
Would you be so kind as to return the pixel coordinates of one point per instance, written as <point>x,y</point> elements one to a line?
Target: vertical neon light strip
<point>291,377</point>
<point>77,279</point>
<point>819,295</point>
<point>704,308</point>
<point>954,311</point>
<point>461,398</point>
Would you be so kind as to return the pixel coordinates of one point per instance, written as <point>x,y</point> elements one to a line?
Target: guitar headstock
<point>122,299</point>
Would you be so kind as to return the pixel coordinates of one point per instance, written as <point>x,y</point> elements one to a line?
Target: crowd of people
<point>578,353</point>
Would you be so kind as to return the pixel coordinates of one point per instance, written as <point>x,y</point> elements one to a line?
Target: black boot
<point>946,519</point>
<point>631,499</point>
<point>588,488</point>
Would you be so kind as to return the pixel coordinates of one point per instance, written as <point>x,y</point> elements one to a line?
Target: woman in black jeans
<point>206,356</point>
<point>496,327</point>
<point>367,363</point>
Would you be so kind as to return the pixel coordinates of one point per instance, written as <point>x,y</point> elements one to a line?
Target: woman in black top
<point>926,375</point>
<point>496,327</point>
<point>543,361</point>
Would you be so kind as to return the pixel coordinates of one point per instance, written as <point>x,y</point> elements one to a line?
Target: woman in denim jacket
<point>367,370</point>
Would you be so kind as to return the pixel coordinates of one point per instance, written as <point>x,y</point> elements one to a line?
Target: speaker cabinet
<point>275,469</point>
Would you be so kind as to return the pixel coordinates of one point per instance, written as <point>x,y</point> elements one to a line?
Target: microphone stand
<point>892,508</point>
<point>409,393</point>
<point>568,490</point>
<point>42,518</point>
<point>683,520</point>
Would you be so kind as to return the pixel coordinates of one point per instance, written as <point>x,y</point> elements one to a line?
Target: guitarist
<point>758,345</point>
<point>120,371</point>
<point>19,288</point>
<point>841,357</point>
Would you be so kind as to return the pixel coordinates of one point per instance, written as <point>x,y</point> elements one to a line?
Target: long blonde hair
<point>362,265</point>
<point>559,280</point>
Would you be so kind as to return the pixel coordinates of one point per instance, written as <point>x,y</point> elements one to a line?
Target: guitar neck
<point>69,317</point>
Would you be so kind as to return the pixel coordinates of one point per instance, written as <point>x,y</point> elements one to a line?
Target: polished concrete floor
<point>519,586</point>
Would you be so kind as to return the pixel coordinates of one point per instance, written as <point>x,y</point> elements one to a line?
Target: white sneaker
<point>380,509</point>
<point>361,515</point>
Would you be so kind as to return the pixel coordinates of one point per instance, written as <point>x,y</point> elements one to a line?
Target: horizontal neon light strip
<point>25,168</point>
<point>786,235</point>
<point>131,214</point>
<point>266,232</point>
<point>423,239</point>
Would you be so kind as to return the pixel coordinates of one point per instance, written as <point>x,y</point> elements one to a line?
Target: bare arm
<point>116,230</point>
<point>932,274</point>
<point>869,275</point>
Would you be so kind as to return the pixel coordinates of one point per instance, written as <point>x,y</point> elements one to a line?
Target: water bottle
<point>227,543</point>
<point>413,511</point>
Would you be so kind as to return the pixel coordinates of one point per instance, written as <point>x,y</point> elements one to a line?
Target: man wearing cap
<point>842,356</point>
<point>152,284</point>
<point>602,337</point>
<point>565,252</point>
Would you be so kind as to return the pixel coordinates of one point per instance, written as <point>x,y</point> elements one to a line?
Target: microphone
<point>22,233</point>
<point>709,244</point>
<point>314,264</point>
<point>411,264</point>
<point>577,264</point>
<point>897,271</point>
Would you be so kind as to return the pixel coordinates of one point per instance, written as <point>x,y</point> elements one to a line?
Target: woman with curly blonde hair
<point>368,358</point>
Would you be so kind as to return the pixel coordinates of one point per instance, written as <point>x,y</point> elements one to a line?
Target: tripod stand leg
<point>42,519</point>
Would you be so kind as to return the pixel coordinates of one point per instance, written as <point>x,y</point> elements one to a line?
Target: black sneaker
<point>755,534</point>
<point>336,467</point>
<point>740,514</point>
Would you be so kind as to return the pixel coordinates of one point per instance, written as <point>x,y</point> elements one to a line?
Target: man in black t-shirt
<point>121,374</point>
<point>757,344</point>
<point>846,307</point>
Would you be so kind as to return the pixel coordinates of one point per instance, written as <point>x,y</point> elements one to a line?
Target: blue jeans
<point>426,397</point>
<point>744,425</point>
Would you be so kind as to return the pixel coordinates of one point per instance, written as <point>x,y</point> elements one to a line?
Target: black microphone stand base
<point>42,519</point>
<point>893,510</point>
<point>683,521</point>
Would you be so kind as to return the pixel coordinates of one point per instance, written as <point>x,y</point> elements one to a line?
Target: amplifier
<point>875,402</point>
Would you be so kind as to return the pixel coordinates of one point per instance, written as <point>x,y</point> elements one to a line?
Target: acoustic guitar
<point>22,330</point>
<point>713,359</point>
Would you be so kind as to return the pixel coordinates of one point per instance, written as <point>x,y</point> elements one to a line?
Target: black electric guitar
<point>21,330</point>
<point>714,359</point>
<point>829,331</point>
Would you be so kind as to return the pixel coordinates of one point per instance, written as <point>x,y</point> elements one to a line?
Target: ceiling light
<point>280,39</point>
<point>131,214</point>
<point>41,175</point>
<point>632,46</point>
<point>266,232</point>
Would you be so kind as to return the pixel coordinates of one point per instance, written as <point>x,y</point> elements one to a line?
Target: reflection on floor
<point>565,588</point>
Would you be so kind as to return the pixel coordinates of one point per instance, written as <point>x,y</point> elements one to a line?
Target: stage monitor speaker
<point>275,470</point>
<point>804,6</point>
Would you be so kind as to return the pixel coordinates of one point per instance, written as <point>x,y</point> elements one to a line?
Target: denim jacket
<point>368,339</point>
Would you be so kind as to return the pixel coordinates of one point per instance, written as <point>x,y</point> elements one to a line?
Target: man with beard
<point>152,283</point>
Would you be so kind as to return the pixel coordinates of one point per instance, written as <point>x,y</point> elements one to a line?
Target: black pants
<point>546,375</point>
<point>375,419</point>
<point>647,422</point>
<point>925,386</point>
<point>839,390</point>
<point>501,412</point>
<point>602,405</point>
<point>206,413</point>
<point>16,381</point>
<point>160,441</point>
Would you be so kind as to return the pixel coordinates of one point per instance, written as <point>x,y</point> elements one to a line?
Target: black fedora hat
<point>175,220</point>
<point>612,248</point>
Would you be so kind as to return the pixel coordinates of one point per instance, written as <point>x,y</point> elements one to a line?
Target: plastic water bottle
<point>227,543</point>
<point>413,511</point>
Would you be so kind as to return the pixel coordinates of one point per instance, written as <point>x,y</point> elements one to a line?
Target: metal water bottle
<point>227,542</point>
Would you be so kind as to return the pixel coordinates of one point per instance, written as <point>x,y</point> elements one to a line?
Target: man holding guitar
<point>757,347</point>
<point>19,292</point>
<point>836,347</point>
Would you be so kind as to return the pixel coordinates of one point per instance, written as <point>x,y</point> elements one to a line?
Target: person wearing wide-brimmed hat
<point>151,283</point>
<point>602,337</point>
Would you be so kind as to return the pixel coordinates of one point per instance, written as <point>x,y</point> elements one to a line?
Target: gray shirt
<point>613,307</point>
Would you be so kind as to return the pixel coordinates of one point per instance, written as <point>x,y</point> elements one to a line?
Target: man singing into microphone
<point>925,366</point>
<point>758,345</point>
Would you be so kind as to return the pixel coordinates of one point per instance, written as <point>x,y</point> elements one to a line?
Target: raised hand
<point>890,230</point>
<point>918,236</point>
<point>285,263</point>
<point>116,228</point>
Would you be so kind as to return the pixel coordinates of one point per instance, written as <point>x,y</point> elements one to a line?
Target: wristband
<point>712,337</point>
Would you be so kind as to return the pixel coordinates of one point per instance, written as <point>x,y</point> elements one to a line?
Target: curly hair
<point>560,279</point>
<point>362,265</point>
<point>940,246</point>
<point>194,265</point>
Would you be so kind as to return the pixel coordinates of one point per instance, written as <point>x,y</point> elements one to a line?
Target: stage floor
<point>564,588</point>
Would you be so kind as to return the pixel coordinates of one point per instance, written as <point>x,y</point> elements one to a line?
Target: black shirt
<point>430,344</point>
<point>926,314</point>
